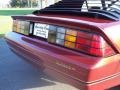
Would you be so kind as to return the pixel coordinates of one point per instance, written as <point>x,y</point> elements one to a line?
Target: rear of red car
<point>75,49</point>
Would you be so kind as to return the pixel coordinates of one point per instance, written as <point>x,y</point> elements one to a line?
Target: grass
<point>6,20</point>
<point>5,24</point>
<point>16,11</point>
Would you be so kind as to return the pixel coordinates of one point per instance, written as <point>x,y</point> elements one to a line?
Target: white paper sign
<point>40,30</point>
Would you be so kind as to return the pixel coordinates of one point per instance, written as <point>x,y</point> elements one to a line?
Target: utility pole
<point>28,1</point>
<point>41,4</point>
<point>31,3</point>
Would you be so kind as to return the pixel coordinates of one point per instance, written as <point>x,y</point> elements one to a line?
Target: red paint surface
<point>87,69</point>
<point>87,72</point>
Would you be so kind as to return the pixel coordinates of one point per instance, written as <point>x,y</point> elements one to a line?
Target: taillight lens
<point>86,42</point>
<point>21,26</point>
<point>80,40</point>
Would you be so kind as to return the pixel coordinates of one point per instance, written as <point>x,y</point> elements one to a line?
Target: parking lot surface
<point>17,74</point>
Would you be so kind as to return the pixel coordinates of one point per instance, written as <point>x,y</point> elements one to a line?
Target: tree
<point>34,3</point>
<point>24,3</point>
<point>18,3</point>
<point>15,3</point>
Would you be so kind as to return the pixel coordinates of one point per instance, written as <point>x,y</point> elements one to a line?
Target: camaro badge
<point>65,66</point>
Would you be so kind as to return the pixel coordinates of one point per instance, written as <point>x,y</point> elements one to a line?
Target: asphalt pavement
<point>17,74</point>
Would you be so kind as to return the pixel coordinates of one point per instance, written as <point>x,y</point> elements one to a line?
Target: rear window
<point>103,9</point>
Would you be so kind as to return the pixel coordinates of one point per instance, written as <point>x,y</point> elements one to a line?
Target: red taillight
<point>83,41</point>
<point>94,45</point>
<point>84,35</point>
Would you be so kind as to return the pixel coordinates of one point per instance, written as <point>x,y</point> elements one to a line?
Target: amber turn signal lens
<point>71,32</point>
<point>70,38</point>
<point>69,44</point>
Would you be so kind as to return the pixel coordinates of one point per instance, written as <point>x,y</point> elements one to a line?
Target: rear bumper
<point>58,65</point>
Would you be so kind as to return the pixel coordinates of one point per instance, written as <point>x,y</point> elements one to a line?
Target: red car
<point>74,41</point>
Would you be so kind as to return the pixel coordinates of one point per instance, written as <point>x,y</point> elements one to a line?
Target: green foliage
<point>23,3</point>
<point>17,3</point>
<point>34,3</point>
